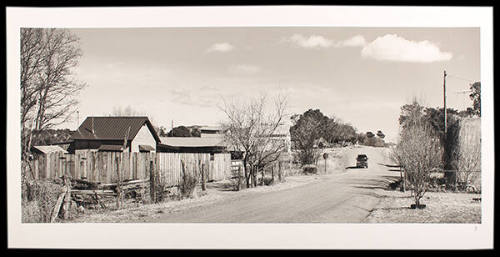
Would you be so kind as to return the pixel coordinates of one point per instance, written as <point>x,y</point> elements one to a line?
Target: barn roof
<point>48,149</point>
<point>112,128</point>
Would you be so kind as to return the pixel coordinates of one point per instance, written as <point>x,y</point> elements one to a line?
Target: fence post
<point>239,177</point>
<point>203,177</point>
<point>152,182</point>
<point>118,186</point>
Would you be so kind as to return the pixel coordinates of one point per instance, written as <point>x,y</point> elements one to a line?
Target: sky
<point>359,75</point>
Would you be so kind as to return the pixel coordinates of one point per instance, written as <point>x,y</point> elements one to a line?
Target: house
<point>109,133</point>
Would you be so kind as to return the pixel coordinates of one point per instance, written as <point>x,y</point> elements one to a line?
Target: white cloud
<point>313,41</point>
<point>245,69</point>
<point>392,47</point>
<point>355,41</point>
<point>220,47</point>
<point>316,41</point>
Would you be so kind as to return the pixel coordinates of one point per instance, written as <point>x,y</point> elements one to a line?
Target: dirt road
<point>345,196</point>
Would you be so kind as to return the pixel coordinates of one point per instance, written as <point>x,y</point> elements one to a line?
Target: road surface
<point>346,196</point>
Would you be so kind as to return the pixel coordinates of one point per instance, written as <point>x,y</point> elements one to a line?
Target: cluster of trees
<point>312,125</point>
<point>48,89</point>
<point>51,136</point>
<point>182,131</point>
<point>424,145</point>
<point>372,139</point>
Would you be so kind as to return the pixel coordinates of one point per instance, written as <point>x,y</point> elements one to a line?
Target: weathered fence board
<point>102,166</point>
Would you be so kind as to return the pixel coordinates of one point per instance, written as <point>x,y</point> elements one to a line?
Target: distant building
<point>207,131</point>
<point>108,134</point>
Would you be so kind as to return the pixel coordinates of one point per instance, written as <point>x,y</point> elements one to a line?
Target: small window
<point>212,155</point>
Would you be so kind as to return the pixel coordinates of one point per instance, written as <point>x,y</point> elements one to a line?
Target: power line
<point>461,78</point>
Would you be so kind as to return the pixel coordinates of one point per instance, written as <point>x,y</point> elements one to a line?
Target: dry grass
<point>133,213</point>
<point>441,208</point>
<point>38,201</point>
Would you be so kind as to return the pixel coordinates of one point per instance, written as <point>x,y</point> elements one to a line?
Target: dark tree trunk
<point>254,177</point>
<point>272,175</point>
<point>279,172</point>
<point>263,174</point>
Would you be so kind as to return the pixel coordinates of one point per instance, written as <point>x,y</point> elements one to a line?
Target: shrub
<point>38,200</point>
<point>310,169</point>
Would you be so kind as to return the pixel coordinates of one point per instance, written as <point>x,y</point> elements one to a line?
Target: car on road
<point>362,161</point>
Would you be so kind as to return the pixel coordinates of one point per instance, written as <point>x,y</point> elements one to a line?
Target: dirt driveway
<point>345,196</point>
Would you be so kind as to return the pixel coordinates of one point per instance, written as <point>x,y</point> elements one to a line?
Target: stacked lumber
<point>93,194</point>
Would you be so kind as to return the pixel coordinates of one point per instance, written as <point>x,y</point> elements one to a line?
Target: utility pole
<point>444,100</point>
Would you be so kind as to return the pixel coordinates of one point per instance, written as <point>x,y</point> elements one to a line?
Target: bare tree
<point>129,111</point>
<point>250,128</point>
<point>125,111</point>
<point>48,89</point>
<point>419,152</point>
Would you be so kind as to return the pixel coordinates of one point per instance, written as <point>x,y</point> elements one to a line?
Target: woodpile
<point>95,194</point>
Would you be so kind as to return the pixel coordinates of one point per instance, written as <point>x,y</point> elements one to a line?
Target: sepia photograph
<point>248,125</point>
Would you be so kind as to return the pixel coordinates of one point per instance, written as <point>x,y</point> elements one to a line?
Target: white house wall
<point>143,137</point>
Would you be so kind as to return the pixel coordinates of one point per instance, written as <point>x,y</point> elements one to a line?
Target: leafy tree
<point>179,131</point>
<point>51,136</point>
<point>307,128</point>
<point>195,132</point>
<point>475,96</point>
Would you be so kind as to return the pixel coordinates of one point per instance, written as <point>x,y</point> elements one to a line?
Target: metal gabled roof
<point>112,128</point>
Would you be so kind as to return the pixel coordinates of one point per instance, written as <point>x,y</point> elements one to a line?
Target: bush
<point>38,200</point>
<point>310,169</point>
<point>188,185</point>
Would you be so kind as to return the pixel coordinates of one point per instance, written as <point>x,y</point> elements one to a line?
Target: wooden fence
<point>109,167</point>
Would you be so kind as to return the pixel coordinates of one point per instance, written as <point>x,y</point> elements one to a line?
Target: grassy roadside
<point>442,207</point>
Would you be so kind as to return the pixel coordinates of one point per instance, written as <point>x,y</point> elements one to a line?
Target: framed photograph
<point>250,127</point>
